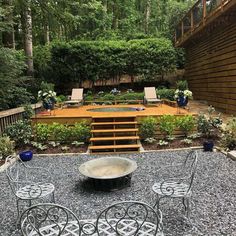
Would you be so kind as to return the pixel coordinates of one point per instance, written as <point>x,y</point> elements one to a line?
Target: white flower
<point>188,93</point>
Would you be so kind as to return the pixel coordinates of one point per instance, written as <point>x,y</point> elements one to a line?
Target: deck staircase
<point>114,135</point>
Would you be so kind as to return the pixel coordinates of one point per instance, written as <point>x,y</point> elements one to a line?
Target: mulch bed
<point>53,150</point>
<point>176,144</point>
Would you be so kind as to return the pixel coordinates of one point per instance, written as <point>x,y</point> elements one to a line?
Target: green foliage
<point>228,138</point>
<point>61,98</point>
<point>167,124</point>
<point>187,141</point>
<point>42,132</point>
<point>6,147</point>
<point>81,132</point>
<point>165,93</point>
<point>62,133</point>
<point>148,127</point>
<point>186,124</point>
<point>182,85</point>
<point>20,132</point>
<point>12,91</point>
<point>209,124</point>
<point>28,112</point>
<point>92,60</point>
<point>108,97</point>
<point>131,96</point>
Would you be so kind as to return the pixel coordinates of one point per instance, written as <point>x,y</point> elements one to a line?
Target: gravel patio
<point>213,199</point>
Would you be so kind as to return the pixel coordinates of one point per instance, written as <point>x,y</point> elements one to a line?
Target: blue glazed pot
<point>26,155</point>
<point>208,146</point>
<point>49,105</point>
<point>182,101</point>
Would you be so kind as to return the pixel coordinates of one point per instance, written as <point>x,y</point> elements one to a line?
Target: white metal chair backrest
<point>17,175</point>
<point>49,219</point>
<point>130,218</point>
<point>150,92</point>
<point>77,94</point>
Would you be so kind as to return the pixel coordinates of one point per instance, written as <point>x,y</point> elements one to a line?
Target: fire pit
<point>109,173</point>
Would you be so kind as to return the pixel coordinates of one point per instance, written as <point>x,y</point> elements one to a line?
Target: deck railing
<point>198,15</point>
<point>9,117</point>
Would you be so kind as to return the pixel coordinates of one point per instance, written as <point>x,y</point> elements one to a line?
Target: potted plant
<point>208,125</point>
<point>47,95</point>
<point>6,148</point>
<point>182,94</point>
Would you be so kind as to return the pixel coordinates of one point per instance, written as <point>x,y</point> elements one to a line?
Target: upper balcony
<point>203,13</point>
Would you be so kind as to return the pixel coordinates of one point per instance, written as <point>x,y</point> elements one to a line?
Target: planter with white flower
<point>48,98</point>
<point>182,97</point>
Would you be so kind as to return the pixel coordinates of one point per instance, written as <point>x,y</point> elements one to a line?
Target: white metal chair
<point>151,96</point>
<point>76,97</point>
<point>123,219</point>
<point>27,186</point>
<point>177,181</point>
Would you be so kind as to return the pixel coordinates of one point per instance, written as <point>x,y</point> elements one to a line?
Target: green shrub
<point>6,147</point>
<point>20,132</point>
<point>131,96</point>
<point>81,132</point>
<point>186,124</point>
<point>61,133</point>
<point>182,85</point>
<point>167,124</point>
<point>92,60</point>
<point>148,127</point>
<point>61,98</point>
<point>166,94</point>
<point>228,138</point>
<point>42,132</point>
<point>209,124</point>
<point>108,97</point>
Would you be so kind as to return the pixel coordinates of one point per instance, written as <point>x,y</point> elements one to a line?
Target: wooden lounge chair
<point>76,97</point>
<point>150,95</point>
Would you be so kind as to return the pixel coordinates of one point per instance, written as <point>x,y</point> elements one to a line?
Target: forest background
<point>35,35</point>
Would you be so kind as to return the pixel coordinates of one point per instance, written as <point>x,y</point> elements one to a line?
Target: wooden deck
<point>72,115</point>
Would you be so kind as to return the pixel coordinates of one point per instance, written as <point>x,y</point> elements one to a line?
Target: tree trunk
<point>147,16</point>
<point>46,34</point>
<point>28,39</point>
<point>8,37</point>
<point>115,17</point>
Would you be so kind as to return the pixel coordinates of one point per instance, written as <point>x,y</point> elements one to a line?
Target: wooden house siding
<point>211,61</point>
<point>211,69</point>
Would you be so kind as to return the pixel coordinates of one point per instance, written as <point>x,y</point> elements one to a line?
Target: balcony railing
<point>198,15</point>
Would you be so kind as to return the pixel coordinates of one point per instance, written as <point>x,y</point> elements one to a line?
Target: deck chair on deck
<point>76,97</point>
<point>150,95</point>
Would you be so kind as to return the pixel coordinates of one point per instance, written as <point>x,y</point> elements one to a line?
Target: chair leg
<point>186,203</point>
<point>53,197</point>
<point>18,211</point>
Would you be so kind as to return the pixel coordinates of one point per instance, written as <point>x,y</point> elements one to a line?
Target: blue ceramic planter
<point>26,155</point>
<point>208,146</point>
<point>182,101</point>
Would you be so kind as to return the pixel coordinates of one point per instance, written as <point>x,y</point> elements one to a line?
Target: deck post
<point>191,18</point>
<point>204,11</point>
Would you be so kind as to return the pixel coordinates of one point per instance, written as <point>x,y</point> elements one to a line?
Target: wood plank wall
<point>211,68</point>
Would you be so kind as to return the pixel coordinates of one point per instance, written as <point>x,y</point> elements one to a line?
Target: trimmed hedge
<point>92,60</point>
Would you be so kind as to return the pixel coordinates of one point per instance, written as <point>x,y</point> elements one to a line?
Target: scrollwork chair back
<point>129,219</point>
<point>28,183</point>
<point>49,219</point>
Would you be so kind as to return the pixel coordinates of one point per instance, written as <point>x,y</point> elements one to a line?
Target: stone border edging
<point>6,165</point>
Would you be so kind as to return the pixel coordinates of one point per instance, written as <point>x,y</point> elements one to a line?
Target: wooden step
<point>115,147</point>
<point>114,138</point>
<point>115,123</point>
<point>113,130</point>
<point>114,117</point>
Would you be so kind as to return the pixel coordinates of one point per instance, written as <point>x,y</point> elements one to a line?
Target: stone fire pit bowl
<point>108,173</point>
